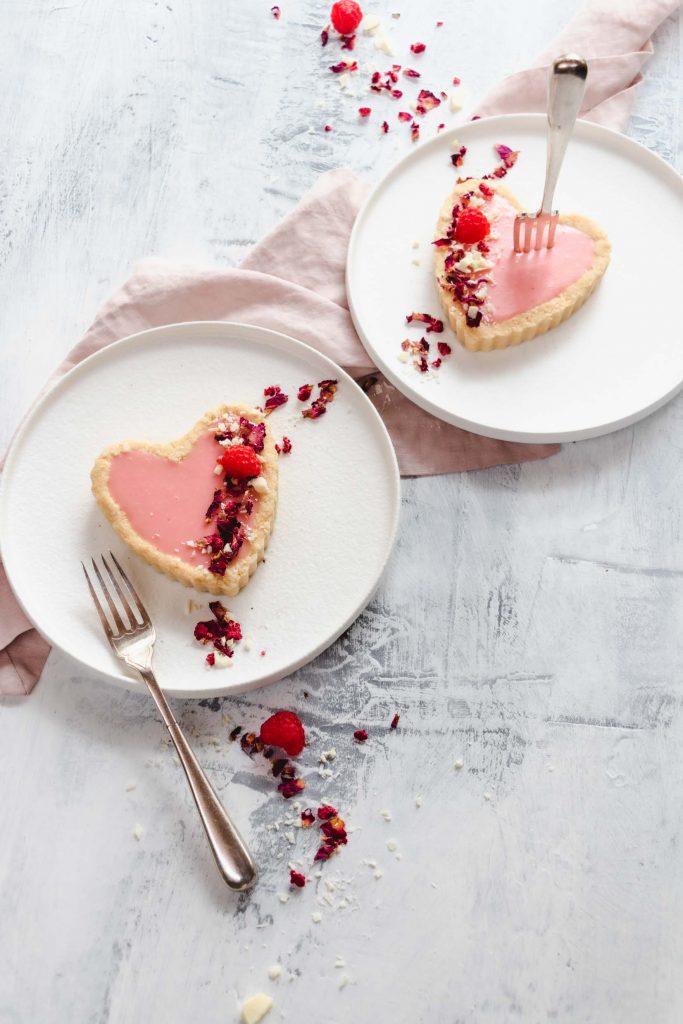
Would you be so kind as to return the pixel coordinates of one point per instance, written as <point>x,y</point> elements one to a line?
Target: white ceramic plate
<point>334,529</point>
<point>616,360</point>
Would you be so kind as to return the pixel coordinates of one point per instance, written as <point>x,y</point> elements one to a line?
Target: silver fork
<point>565,93</point>
<point>133,642</point>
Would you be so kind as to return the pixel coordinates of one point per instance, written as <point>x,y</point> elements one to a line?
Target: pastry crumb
<point>255,1008</point>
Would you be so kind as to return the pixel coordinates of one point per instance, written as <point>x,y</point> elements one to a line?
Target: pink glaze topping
<point>166,501</point>
<point>521,281</point>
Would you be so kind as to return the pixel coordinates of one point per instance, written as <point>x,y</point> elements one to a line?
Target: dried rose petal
<point>326,811</point>
<point>385,127</point>
<point>394,721</point>
<point>315,410</point>
<point>297,879</point>
<point>235,732</point>
<point>415,131</point>
<point>276,12</point>
<point>285,448</point>
<point>507,155</point>
<point>324,852</point>
<point>440,127</point>
<point>444,348</point>
<point>426,101</point>
<point>360,735</point>
<point>211,658</point>
<point>304,392</point>
<point>344,65</point>
<point>364,112</point>
<point>403,115</point>
<point>433,325</point>
<point>411,73</point>
<point>307,818</point>
<point>435,364</point>
<point>324,37</point>
<point>457,158</point>
<point>348,42</point>
<point>291,788</point>
<point>417,47</point>
<point>327,128</point>
<point>456,80</point>
<point>275,397</point>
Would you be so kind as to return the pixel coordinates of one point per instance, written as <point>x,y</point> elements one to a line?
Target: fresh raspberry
<point>472,226</point>
<point>346,16</point>
<point>284,729</point>
<point>240,462</point>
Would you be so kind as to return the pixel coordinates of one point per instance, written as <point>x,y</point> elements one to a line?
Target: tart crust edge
<point>198,577</point>
<point>529,324</point>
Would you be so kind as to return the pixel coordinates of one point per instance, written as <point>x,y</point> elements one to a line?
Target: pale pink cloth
<point>293,281</point>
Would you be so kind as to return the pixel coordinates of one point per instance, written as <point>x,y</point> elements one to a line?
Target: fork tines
<point>134,622</point>
<point>531,228</point>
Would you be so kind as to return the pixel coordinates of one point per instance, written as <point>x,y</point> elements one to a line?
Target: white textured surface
<point>529,622</point>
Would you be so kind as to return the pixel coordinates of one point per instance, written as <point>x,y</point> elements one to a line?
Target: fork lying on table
<point>565,93</point>
<point>133,642</point>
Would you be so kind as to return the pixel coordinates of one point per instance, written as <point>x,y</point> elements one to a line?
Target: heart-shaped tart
<point>201,508</point>
<point>494,297</point>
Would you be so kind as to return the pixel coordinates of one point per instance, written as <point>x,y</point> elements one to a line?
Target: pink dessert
<point>520,281</point>
<point>199,509</point>
<point>165,500</point>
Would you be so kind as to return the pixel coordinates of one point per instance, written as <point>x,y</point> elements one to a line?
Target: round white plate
<point>335,525</point>
<point>616,360</point>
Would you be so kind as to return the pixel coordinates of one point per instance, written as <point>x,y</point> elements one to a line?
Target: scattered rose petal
<point>418,47</point>
<point>328,128</point>
<point>291,787</point>
<point>276,12</point>
<point>403,115</point>
<point>458,157</point>
<point>307,818</point>
<point>297,879</point>
<point>324,37</point>
<point>385,127</point>
<point>426,101</point>
<point>360,735</point>
<point>326,811</point>
<point>344,65</point>
<point>304,392</point>
<point>275,397</point>
<point>395,721</point>
<point>285,448</point>
<point>415,131</point>
<point>364,112</point>
<point>411,73</point>
<point>444,348</point>
<point>433,325</point>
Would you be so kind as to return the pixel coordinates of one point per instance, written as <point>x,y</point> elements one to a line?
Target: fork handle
<point>232,856</point>
<point>565,94</point>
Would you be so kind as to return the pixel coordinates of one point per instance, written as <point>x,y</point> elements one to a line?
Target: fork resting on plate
<point>133,643</point>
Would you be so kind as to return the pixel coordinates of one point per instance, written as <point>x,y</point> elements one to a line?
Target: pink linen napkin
<point>293,281</point>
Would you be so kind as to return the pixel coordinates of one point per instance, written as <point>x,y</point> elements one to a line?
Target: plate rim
<point>412,393</point>
<point>51,394</point>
